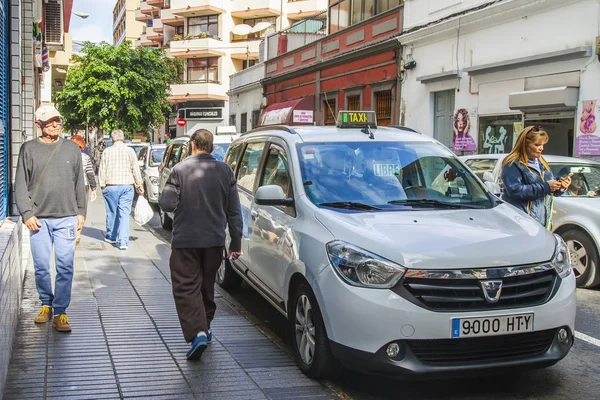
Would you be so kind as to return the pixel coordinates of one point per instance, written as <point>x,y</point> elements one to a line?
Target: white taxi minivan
<point>386,253</point>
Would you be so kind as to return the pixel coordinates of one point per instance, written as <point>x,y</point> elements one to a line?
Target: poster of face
<point>462,123</point>
<point>587,142</point>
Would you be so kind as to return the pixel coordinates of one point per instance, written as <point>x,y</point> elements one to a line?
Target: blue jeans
<point>61,232</point>
<point>118,201</point>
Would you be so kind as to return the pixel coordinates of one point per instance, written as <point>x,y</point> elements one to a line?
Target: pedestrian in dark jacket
<point>528,180</point>
<point>202,193</point>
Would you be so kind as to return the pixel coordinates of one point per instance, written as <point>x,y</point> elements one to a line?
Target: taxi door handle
<point>254,215</point>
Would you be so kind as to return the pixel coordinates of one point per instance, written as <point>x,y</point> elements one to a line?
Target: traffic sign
<point>181,122</point>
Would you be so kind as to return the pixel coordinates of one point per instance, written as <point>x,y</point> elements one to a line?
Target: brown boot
<point>44,315</point>
<point>61,323</point>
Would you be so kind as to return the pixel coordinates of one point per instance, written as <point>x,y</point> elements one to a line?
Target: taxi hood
<point>445,239</point>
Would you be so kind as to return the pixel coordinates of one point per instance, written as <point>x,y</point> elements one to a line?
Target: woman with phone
<point>528,181</point>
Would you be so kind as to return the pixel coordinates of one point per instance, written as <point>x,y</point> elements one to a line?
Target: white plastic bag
<point>143,213</point>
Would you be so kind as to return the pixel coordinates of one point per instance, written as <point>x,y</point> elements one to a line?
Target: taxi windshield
<point>388,175</point>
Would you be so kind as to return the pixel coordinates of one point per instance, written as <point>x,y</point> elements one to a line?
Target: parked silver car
<point>149,159</point>
<point>576,213</point>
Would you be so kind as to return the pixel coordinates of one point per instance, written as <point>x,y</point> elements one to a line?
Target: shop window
<point>383,107</point>
<point>244,123</point>
<point>497,133</point>
<point>329,111</point>
<point>253,21</point>
<point>203,70</point>
<point>206,23</point>
<point>255,118</point>
<point>353,102</point>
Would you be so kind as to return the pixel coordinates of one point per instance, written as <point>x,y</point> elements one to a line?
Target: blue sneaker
<point>209,338</point>
<point>198,346</point>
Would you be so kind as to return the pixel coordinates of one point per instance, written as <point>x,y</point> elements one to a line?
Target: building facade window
<point>498,133</point>
<point>353,102</point>
<point>206,23</point>
<point>232,120</point>
<point>248,63</point>
<point>203,70</point>
<point>329,110</point>
<point>243,122</point>
<point>383,107</point>
<point>255,118</point>
<point>253,21</point>
<point>343,13</point>
<point>179,30</point>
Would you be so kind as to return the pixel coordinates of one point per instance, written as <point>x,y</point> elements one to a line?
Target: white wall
<point>541,30</point>
<point>419,12</point>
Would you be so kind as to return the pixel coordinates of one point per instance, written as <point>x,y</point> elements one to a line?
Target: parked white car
<point>149,159</point>
<point>388,254</point>
<point>577,212</point>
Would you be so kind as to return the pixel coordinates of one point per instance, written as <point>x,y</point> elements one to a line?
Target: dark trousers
<point>193,274</point>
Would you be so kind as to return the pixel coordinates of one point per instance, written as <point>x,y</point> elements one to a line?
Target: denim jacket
<point>527,189</point>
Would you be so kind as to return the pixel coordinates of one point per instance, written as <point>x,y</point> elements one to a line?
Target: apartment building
<point>215,39</point>
<point>125,25</point>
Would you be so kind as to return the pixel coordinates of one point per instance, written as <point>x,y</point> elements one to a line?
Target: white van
<point>386,253</point>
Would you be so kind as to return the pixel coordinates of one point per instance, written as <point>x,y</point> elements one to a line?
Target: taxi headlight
<point>359,267</point>
<point>561,261</point>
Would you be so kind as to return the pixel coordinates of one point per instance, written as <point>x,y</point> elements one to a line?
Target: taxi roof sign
<point>357,119</point>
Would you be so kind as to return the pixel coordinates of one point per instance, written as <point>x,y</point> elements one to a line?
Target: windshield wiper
<point>350,205</point>
<point>432,202</point>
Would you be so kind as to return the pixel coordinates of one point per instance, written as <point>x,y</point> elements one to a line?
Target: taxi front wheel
<point>309,338</point>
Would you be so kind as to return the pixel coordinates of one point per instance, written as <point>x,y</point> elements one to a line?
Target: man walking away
<point>50,195</point>
<point>119,171</point>
<point>202,192</point>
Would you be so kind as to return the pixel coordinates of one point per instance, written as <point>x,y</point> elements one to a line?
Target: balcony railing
<point>197,91</point>
<point>299,34</point>
<point>249,75</point>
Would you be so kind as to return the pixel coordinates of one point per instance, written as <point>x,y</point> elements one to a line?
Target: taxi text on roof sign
<point>357,119</point>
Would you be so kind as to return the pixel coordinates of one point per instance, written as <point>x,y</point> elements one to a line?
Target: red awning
<point>291,112</point>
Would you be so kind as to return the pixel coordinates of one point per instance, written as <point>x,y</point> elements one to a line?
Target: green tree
<point>117,88</point>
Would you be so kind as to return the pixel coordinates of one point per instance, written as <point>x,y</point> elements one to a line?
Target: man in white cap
<point>50,195</point>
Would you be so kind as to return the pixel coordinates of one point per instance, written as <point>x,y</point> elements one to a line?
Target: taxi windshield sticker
<point>386,169</point>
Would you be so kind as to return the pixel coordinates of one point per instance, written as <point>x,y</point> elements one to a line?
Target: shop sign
<point>303,116</point>
<point>203,113</point>
<point>587,142</point>
<point>462,125</point>
<point>275,117</point>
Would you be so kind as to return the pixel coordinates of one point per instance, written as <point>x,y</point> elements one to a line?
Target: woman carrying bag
<point>528,180</point>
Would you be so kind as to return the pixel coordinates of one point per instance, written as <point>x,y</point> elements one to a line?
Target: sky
<point>98,26</point>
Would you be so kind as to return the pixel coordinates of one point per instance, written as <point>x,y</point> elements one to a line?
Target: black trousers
<point>193,274</point>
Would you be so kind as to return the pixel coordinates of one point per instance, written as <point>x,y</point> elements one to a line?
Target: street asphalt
<point>575,377</point>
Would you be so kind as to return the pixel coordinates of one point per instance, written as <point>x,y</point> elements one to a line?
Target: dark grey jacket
<point>202,192</point>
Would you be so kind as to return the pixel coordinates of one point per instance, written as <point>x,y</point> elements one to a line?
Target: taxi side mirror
<point>272,195</point>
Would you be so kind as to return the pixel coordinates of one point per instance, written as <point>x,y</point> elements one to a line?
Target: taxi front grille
<point>459,294</point>
<point>484,349</point>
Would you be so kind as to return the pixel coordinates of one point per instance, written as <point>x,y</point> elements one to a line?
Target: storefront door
<point>444,111</point>
<point>560,127</point>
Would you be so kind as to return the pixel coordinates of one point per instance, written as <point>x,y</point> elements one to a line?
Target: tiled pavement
<point>127,343</point>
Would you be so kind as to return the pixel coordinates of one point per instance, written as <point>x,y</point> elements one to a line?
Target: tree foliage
<point>117,88</point>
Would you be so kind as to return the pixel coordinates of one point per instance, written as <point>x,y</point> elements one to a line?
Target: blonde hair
<point>519,152</point>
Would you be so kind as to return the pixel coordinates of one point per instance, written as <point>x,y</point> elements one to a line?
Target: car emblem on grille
<point>491,290</point>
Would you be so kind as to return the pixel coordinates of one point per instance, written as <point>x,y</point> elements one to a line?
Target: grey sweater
<point>203,194</point>
<point>62,194</point>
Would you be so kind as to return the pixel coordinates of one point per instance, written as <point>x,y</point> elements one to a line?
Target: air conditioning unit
<point>54,24</point>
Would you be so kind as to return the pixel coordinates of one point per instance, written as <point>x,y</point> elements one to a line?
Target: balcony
<point>255,8</point>
<point>157,25</point>
<point>168,18</point>
<point>144,40</point>
<point>156,37</point>
<point>156,3</point>
<point>300,9</point>
<point>205,47</point>
<point>200,7</point>
<point>146,8</point>
<point>243,49</point>
<point>189,91</point>
<point>246,77</point>
<point>299,34</point>
<point>141,17</point>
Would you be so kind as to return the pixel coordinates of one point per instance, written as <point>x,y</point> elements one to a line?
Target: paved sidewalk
<point>126,340</point>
